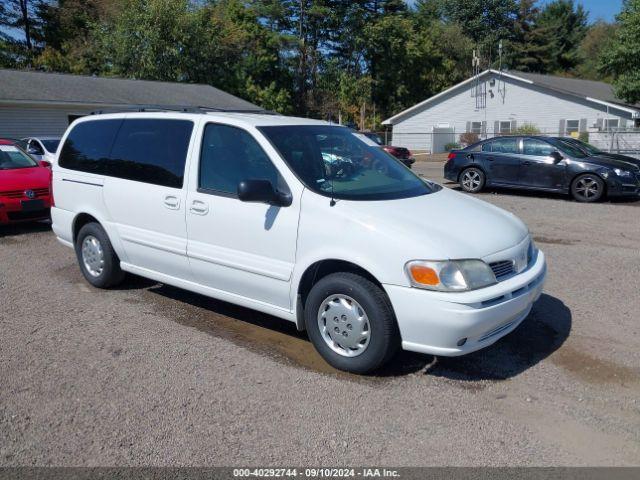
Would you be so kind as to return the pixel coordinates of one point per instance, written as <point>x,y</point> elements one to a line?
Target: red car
<point>25,185</point>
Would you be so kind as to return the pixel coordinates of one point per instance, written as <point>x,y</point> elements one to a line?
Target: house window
<point>476,127</point>
<point>505,128</point>
<point>573,126</point>
<point>611,123</point>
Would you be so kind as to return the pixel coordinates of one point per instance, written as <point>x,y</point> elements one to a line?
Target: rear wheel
<point>472,180</point>
<point>98,261</point>
<point>350,321</point>
<point>587,188</point>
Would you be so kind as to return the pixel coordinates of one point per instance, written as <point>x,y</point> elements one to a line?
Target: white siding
<point>18,121</point>
<point>523,103</point>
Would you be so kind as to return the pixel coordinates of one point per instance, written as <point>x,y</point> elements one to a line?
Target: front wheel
<point>587,188</point>
<point>350,322</point>
<point>472,180</point>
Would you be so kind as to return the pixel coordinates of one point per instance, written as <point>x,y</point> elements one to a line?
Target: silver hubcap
<point>587,187</point>
<point>471,180</point>
<point>92,255</point>
<point>344,325</point>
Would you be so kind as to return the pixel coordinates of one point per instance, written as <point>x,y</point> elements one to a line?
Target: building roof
<point>57,88</point>
<point>597,92</point>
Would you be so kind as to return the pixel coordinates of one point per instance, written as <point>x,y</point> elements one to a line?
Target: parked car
<point>24,185</point>
<point>542,163</point>
<point>401,153</point>
<point>41,148</point>
<point>596,152</point>
<point>242,208</point>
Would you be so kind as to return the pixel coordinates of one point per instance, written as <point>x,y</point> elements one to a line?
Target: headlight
<point>622,173</point>
<point>531,251</point>
<point>450,275</point>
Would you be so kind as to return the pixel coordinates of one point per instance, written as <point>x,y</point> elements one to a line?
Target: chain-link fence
<point>435,145</point>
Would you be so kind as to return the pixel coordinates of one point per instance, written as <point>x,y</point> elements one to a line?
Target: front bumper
<point>437,322</point>
<point>12,211</point>
<point>623,187</point>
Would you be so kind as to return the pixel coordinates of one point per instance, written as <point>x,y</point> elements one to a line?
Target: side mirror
<point>44,163</point>
<point>557,156</point>
<point>262,191</point>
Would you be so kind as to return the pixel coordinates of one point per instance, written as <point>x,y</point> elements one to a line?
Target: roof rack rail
<point>182,109</point>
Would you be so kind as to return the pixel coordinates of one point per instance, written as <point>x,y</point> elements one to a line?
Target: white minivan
<point>307,221</point>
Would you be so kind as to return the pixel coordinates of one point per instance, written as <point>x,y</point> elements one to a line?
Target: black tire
<point>587,188</point>
<point>111,273</point>
<point>384,337</point>
<point>472,180</point>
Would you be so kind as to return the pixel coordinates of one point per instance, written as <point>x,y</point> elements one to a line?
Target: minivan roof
<point>236,118</point>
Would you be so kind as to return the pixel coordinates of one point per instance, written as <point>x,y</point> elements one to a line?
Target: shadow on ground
<point>542,333</point>
<point>16,229</point>
<point>542,194</point>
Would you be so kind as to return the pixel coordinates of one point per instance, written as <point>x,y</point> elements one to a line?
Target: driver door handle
<point>490,159</point>
<point>172,202</point>
<point>199,207</point>
<point>526,162</point>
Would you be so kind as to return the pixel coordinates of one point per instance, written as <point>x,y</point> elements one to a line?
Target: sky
<point>598,9</point>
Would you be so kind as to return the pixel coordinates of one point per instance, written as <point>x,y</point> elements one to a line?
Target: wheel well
<point>80,221</point>
<point>473,165</point>
<point>604,182</point>
<point>315,272</point>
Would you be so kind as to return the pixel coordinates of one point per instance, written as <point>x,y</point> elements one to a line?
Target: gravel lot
<point>152,375</point>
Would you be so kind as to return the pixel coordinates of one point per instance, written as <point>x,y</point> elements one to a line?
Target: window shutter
<point>496,128</point>
<point>600,124</point>
<point>468,127</point>
<point>484,127</point>
<point>561,129</point>
<point>583,125</point>
<point>514,125</point>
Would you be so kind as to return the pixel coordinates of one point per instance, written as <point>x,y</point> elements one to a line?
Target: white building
<point>496,103</point>
<point>42,104</point>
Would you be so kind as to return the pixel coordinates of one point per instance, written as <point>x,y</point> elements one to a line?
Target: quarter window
<point>230,155</point>
<point>88,145</point>
<point>502,145</point>
<point>539,148</point>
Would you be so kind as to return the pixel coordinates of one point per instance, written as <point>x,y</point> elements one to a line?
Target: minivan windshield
<point>12,157</point>
<point>337,162</point>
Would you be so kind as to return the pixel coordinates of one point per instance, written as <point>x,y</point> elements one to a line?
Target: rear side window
<point>501,145</point>
<point>531,146</point>
<point>88,145</point>
<point>151,151</point>
<point>144,150</point>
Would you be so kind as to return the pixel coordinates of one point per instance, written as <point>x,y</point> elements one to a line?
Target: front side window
<point>539,148</point>
<point>336,162</point>
<point>502,145</point>
<point>12,157</point>
<point>230,155</point>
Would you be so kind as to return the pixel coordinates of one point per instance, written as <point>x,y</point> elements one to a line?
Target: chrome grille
<point>502,269</point>
<point>39,192</point>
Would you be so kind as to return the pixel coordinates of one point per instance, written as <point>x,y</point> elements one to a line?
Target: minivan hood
<point>441,225</point>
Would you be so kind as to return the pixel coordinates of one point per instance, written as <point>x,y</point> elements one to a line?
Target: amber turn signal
<point>424,275</point>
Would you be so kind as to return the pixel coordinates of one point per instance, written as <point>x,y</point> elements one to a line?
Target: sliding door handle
<point>199,208</point>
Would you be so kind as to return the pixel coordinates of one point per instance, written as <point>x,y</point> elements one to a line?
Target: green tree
<point>621,60</point>
<point>596,42</point>
<point>529,47</point>
<point>486,22</point>
<point>567,23</point>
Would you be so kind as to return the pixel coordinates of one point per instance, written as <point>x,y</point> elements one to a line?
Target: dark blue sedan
<point>542,163</point>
